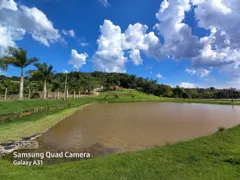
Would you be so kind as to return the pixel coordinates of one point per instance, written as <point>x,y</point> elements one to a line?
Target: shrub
<point>35,95</point>
<point>220,129</point>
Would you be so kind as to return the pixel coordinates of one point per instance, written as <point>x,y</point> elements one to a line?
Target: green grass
<point>212,157</point>
<point>15,106</point>
<point>29,125</point>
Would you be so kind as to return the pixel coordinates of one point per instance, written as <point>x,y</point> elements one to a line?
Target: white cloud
<point>65,71</point>
<point>220,49</point>
<point>68,33</point>
<point>135,56</point>
<point>159,76</point>
<point>187,85</point>
<point>109,56</point>
<point>113,44</point>
<point>8,4</point>
<point>72,33</point>
<point>77,60</point>
<point>105,3</point>
<point>84,44</point>
<point>16,21</point>
<point>191,71</point>
<point>201,72</point>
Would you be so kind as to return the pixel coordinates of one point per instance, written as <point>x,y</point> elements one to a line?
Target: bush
<point>220,129</point>
<point>35,95</point>
<point>116,96</point>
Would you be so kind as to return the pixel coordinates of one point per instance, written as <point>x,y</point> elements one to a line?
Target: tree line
<point>43,79</point>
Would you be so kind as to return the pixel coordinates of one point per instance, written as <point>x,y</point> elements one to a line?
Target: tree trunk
<point>79,93</point>
<point>21,85</point>
<point>74,94</point>
<point>5,97</point>
<point>45,90</point>
<point>65,89</point>
<point>29,93</point>
<point>58,95</point>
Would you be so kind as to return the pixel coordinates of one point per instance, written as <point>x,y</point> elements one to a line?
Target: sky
<point>190,43</point>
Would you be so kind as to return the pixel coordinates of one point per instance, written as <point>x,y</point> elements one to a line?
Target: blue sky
<point>181,46</point>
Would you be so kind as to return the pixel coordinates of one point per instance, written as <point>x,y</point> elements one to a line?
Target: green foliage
<point>220,129</point>
<point>87,82</point>
<point>43,72</point>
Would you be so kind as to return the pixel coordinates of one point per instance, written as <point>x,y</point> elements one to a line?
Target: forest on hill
<point>79,82</point>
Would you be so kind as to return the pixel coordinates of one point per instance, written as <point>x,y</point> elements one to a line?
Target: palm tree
<point>3,65</point>
<point>17,58</point>
<point>44,72</point>
<point>56,87</point>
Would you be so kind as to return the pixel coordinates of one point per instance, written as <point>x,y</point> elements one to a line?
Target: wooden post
<point>58,95</point>
<point>5,97</point>
<point>79,93</point>
<point>74,93</point>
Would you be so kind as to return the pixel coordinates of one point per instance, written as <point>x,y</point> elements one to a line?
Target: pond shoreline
<point>9,144</point>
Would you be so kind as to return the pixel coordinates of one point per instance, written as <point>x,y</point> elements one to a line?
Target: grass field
<point>212,157</point>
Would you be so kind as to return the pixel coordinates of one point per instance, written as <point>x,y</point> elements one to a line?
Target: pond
<point>102,129</point>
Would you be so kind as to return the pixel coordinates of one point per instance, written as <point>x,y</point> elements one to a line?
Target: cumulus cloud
<point>110,55</point>
<point>8,4</point>
<point>113,45</point>
<point>221,48</point>
<point>201,72</point>
<point>16,21</point>
<point>105,3</point>
<point>77,60</point>
<point>68,33</point>
<point>187,85</point>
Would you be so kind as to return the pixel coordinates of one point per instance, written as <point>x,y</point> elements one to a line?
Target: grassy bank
<point>212,157</point>
<point>29,125</point>
<point>15,106</point>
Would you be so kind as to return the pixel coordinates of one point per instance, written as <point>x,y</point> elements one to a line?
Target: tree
<point>44,72</point>
<point>178,92</point>
<point>3,65</point>
<point>17,58</point>
<point>56,86</point>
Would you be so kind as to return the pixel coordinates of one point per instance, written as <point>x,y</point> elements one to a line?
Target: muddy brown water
<point>102,129</point>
